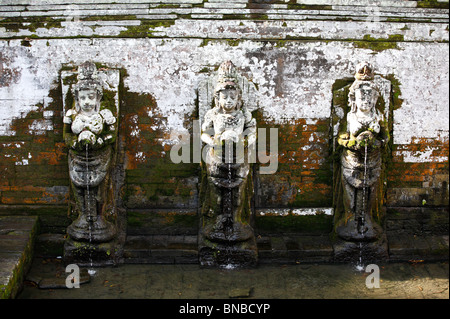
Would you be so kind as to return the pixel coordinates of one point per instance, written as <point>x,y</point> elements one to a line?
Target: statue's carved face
<point>87,100</point>
<point>365,98</point>
<point>228,100</point>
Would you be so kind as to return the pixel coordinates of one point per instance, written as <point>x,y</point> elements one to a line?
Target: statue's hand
<point>94,125</point>
<point>229,135</point>
<point>347,141</point>
<point>369,139</point>
<point>364,136</point>
<point>87,138</point>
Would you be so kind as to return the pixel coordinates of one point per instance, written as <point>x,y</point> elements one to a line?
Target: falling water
<point>228,206</point>
<point>360,264</point>
<point>364,188</point>
<point>91,271</point>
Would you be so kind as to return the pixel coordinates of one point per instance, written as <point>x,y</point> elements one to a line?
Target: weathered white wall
<point>294,80</point>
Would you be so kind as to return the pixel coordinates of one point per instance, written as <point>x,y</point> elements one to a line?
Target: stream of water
<point>361,219</point>
<point>91,270</point>
<point>228,205</point>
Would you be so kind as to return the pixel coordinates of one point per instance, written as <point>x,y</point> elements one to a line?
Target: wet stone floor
<point>413,280</point>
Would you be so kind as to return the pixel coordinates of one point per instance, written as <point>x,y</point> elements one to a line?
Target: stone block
<point>49,245</point>
<point>18,235</point>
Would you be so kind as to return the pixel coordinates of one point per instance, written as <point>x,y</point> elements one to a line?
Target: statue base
<point>228,255</point>
<point>365,251</point>
<point>100,245</point>
<point>88,254</point>
<point>239,233</point>
<point>98,231</point>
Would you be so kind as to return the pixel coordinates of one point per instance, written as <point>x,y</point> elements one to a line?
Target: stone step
<point>294,249</point>
<point>182,249</point>
<point>411,247</point>
<point>17,237</point>
<point>289,30</point>
<point>390,3</point>
<point>144,13</point>
<point>111,2</point>
<point>162,249</point>
<point>280,249</point>
<point>49,245</point>
<point>218,10</point>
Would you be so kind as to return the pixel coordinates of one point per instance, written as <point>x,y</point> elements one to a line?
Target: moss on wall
<point>379,44</point>
<point>317,224</point>
<point>432,4</point>
<point>164,221</point>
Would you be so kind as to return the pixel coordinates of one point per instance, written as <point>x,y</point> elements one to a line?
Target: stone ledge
<point>59,2</point>
<point>393,3</point>
<point>237,10</point>
<point>419,221</point>
<point>233,13</point>
<point>162,249</point>
<point>294,249</point>
<point>17,237</point>
<point>286,249</point>
<point>286,29</point>
<point>411,247</point>
<point>49,245</point>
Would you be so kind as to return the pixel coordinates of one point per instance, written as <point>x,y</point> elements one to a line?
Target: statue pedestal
<point>351,252</point>
<point>98,231</point>
<point>87,254</point>
<point>227,255</point>
<point>98,243</point>
<point>225,242</point>
<point>103,247</point>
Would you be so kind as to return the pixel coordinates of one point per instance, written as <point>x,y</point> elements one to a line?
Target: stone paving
<point>413,280</point>
<point>286,270</point>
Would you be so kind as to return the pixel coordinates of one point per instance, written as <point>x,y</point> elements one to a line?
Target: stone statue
<point>358,213</point>
<point>229,131</point>
<point>90,132</point>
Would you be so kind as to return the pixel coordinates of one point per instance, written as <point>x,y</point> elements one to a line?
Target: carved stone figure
<point>90,132</point>
<point>358,210</point>
<point>228,130</point>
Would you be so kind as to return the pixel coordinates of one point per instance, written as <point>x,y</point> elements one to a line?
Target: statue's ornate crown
<point>227,72</point>
<point>364,71</point>
<point>88,78</point>
<point>227,76</point>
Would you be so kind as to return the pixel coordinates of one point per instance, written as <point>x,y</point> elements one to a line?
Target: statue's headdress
<point>227,78</point>
<point>364,76</point>
<point>88,79</point>
<point>364,71</point>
